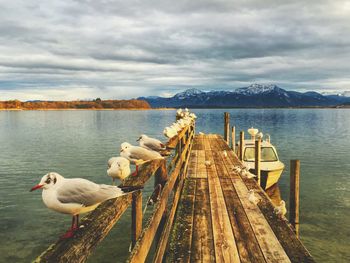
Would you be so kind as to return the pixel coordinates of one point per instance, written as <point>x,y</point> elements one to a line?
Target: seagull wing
<point>85,192</point>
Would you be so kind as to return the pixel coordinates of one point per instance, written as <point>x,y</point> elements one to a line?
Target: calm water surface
<point>79,143</point>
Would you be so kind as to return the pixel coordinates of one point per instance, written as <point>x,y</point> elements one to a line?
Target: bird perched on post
<point>281,210</point>
<point>118,167</point>
<point>151,143</point>
<point>137,154</point>
<point>75,196</point>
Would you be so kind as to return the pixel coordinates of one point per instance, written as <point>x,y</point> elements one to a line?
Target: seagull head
<point>282,203</point>
<point>142,137</point>
<point>48,181</point>
<point>124,146</point>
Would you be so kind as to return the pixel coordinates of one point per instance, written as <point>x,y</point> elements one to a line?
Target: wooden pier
<point>203,213</point>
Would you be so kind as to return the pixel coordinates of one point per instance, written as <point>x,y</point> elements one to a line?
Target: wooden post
<point>294,195</point>
<point>258,159</point>
<point>233,138</point>
<point>227,127</point>
<point>241,143</point>
<point>136,216</point>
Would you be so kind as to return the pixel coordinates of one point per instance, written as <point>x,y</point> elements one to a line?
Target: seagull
<point>208,163</point>
<point>170,132</point>
<point>237,169</point>
<point>74,196</point>
<point>137,154</point>
<point>249,175</point>
<point>118,167</point>
<point>281,210</point>
<point>252,198</point>
<point>201,133</point>
<point>151,143</point>
<point>225,154</point>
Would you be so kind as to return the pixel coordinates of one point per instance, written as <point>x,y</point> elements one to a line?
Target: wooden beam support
<point>258,160</point>
<point>227,127</point>
<point>233,138</point>
<point>241,144</point>
<point>294,194</point>
<point>136,216</point>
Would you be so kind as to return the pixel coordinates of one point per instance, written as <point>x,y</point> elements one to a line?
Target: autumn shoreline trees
<point>94,104</point>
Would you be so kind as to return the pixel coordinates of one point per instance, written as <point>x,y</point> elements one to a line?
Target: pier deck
<point>215,221</point>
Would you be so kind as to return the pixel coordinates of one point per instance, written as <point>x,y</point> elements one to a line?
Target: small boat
<point>271,167</point>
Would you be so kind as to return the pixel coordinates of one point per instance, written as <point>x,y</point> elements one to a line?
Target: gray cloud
<point>122,49</point>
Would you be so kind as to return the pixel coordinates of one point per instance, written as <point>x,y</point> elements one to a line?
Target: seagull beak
<point>121,150</point>
<point>38,186</point>
<point>138,139</point>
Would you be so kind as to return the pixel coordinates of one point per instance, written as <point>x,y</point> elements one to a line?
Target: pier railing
<point>169,177</point>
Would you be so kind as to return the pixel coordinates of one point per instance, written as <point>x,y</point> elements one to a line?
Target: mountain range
<point>253,96</point>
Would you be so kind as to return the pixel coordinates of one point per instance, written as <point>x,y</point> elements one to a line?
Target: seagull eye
<point>48,180</point>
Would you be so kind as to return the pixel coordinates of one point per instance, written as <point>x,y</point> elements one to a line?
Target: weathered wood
<point>248,247</point>
<point>146,170</point>
<point>294,248</point>
<point>173,142</point>
<point>136,216</point>
<point>162,243</point>
<point>224,241</point>
<point>241,143</point>
<point>161,175</point>
<point>233,138</point>
<point>182,233</point>
<point>294,194</point>
<point>258,160</point>
<point>202,248</point>
<point>145,240</point>
<point>227,127</point>
<point>97,224</point>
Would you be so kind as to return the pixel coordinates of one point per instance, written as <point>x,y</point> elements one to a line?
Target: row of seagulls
<point>138,155</point>
<point>74,196</point>
<point>185,118</point>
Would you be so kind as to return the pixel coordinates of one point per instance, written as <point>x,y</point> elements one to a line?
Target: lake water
<point>79,143</point>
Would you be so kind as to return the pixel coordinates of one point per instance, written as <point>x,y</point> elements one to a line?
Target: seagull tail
<point>130,189</point>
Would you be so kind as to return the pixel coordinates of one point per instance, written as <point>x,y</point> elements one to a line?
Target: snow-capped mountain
<point>255,95</point>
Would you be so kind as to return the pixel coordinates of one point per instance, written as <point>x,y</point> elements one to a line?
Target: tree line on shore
<point>94,104</point>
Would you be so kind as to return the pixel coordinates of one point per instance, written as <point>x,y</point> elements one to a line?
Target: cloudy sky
<point>78,49</point>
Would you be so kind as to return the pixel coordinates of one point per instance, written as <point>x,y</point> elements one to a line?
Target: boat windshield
<point>267,154</point>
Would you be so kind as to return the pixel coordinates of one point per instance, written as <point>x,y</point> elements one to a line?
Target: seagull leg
<point>72,229</point>
<point>136,172</point>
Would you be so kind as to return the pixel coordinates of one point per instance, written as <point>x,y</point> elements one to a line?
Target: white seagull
<point>118,167</point>
<point>281,210</point>
<point>74,196</point>
<point>137,154</point>
<point>151,143</point>
<point>169,132</point>
<point>252,198</point>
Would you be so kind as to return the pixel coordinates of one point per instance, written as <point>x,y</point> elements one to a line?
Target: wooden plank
<point>224,241</point>
<point>202,249</point>
<point>192,166</point>
<point>96,227</point>
<point>168,225</point>
<point>294,248</point>
<point>143,244</point>
<point>136,216</point>
<point>201,167</point>
<point>181,236</point>
<point>248,247</point>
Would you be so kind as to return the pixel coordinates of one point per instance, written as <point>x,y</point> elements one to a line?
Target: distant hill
<point>256,95</point>
<point>95,104</point>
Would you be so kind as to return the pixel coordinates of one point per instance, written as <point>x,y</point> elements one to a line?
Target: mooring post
<point>294,195</point>
<point>258,159</point>
<point>227,127</point>
<point>233,138</point>
<point>136,216</point>
<point>241,143</point>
